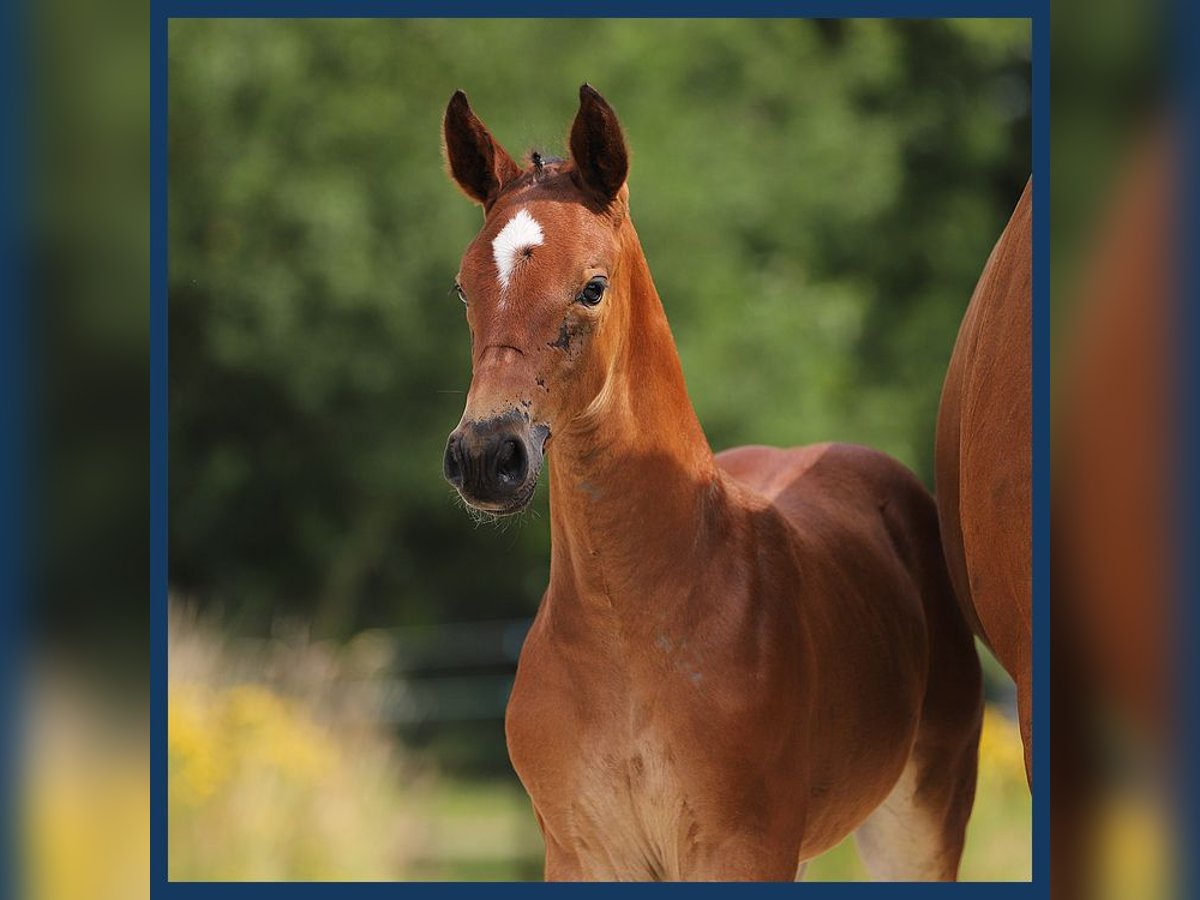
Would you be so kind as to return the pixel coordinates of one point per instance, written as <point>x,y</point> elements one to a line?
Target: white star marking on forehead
<point>521,233</point>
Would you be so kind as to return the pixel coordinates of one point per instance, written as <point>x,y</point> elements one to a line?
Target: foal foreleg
<point>745,858</point>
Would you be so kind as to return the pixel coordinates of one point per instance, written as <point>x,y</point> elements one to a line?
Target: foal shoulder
<point>841,499</point>
<point>837,486</point>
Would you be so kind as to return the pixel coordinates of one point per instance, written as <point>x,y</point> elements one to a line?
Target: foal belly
<point>873,745</point>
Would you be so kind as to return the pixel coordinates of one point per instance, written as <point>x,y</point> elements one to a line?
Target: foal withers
<point>739,659</point>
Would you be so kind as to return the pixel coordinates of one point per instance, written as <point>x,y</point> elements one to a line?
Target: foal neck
<point>634,488</point>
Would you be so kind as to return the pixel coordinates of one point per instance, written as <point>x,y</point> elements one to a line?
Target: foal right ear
<point>479,165</point>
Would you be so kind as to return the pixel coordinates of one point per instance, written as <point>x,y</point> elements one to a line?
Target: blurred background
<point>816,200</point>
<point>1119,763</point>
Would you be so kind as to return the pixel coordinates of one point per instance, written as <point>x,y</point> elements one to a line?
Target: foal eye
<point>461,296</point>
<point>593,291</point>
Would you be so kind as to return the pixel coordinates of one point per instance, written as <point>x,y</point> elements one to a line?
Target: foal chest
<point>604,775</point>
<point>619,808</point>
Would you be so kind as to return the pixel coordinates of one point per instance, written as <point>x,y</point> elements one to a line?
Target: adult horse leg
<point>1025,718</point>
<point>917,833</point>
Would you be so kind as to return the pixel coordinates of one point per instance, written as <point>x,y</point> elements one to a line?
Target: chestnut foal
<point>741,658</point>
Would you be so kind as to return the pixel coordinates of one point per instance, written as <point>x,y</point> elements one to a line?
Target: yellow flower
<point>197,765</point>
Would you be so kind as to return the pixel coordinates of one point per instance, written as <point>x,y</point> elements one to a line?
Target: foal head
<point>543,290</point>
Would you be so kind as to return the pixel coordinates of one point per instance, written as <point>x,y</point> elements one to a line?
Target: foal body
<point>740,658</point>
<point>732,661</point>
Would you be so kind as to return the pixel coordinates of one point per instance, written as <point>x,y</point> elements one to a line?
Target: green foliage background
<point>816,200</point>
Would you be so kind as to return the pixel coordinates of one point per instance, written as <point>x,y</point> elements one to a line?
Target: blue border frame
<point>16,511</point>
<point>1041,446</point>
<point>1185,73</point>
<point>161,11</point>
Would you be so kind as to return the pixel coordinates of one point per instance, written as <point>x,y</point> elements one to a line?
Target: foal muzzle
<point>494,464</point>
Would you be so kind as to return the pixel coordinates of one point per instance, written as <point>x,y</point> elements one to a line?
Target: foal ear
<point>478,163</point>
<point>598,145</point>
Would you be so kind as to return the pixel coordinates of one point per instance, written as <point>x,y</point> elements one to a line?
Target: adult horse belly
<point>984,455</point>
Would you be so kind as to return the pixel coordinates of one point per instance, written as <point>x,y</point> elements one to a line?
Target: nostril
<point>452,463</point>
<point>511,462</point>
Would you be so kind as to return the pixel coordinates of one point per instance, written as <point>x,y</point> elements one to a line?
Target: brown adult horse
<point>739,659</point>
<point>984,459</point>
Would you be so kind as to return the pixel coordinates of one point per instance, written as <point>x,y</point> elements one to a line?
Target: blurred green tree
<point>816,199</point>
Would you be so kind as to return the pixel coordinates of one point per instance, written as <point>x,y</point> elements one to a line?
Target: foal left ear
<point>598,145</point>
